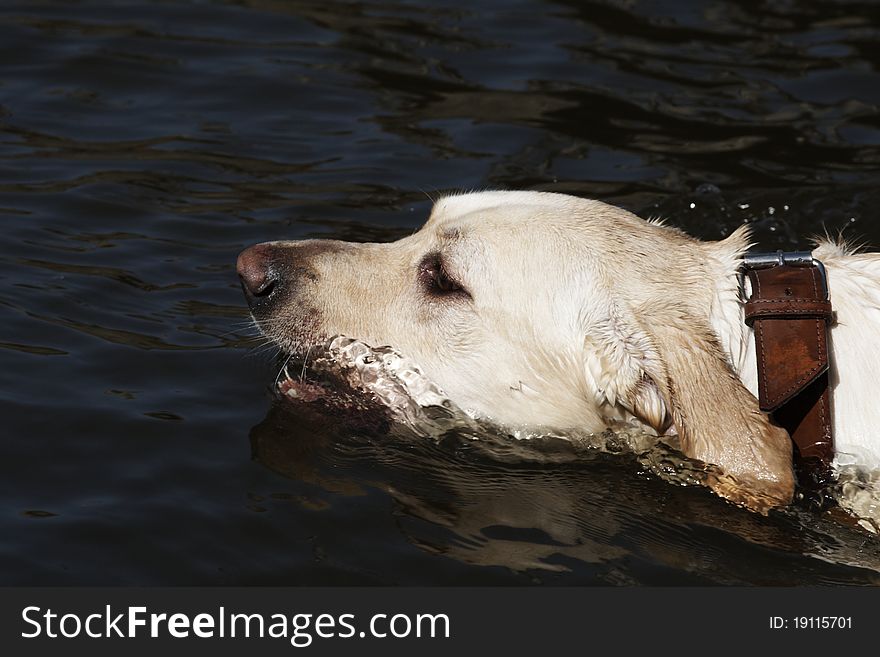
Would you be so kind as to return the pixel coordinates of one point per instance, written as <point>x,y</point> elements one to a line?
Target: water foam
<point>399,384</point>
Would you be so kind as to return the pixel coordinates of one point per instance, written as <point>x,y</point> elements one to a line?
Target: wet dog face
<point>535,309</point>
<point>485,298</point>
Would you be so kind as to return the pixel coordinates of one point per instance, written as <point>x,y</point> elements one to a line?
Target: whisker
<point>265,349</point>
<point>302,374</point>
<point>278,376</point>
<point>247,326</point>
<point>238,333</point>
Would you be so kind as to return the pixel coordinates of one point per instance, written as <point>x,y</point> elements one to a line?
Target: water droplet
<point>693,205</point>
<point>771,210</point>
<point>743,206</point>
<point>708,188</point>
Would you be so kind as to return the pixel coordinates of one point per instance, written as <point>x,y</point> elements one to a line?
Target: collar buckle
<point>780,258</point>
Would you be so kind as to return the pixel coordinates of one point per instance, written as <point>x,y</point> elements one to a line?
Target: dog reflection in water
<point>546,505</point>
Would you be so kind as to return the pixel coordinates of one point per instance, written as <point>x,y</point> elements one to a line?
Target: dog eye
<point>435,279</point>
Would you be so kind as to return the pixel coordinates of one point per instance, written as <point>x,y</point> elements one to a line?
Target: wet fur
<point>578,315</point>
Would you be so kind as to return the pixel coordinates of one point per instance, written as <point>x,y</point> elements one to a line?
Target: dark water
<point>143,145</point>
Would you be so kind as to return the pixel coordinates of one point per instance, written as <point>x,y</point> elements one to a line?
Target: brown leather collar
<point>790,313</point>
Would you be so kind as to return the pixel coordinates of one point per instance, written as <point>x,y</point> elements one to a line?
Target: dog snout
<point>258,273</point>
<point>273,271</point>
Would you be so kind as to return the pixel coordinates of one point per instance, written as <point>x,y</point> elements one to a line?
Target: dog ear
<point>718,420</point>
<point>674,376</point>
<point>624,365</point>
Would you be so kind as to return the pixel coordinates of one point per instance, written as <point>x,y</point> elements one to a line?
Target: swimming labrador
<point>534,309</point>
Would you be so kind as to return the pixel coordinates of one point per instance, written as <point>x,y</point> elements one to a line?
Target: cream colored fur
<point>579,315</point>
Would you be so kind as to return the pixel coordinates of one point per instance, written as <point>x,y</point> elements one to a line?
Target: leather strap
<point>790,313</point>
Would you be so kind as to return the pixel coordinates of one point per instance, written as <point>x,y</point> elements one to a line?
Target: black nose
<point>258,277</point>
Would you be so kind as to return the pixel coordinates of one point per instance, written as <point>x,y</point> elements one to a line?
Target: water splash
<point>413,400</point>
<point>858,491</point>
<point>396,382</point>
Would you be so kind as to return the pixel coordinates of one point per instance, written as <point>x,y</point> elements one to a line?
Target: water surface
<point>143,145</point>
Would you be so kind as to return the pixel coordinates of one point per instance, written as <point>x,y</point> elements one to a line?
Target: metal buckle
<point>777,259</point>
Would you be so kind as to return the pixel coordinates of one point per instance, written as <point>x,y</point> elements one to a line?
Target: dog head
<point>539,309</point>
